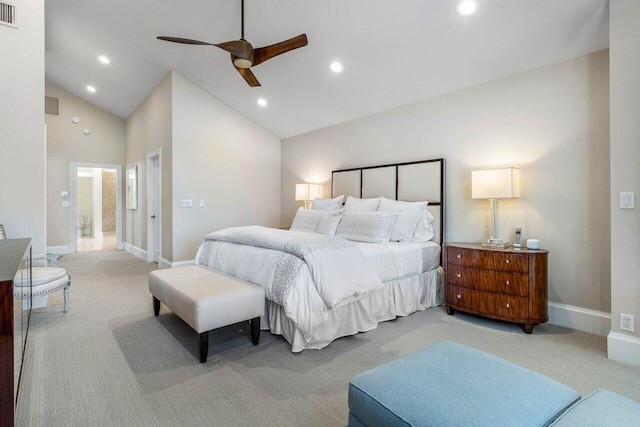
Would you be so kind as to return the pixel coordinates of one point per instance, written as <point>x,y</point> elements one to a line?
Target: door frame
<point>150,197</point>
<point>73,201</point>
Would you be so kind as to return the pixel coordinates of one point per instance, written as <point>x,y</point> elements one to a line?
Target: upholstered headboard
<point>409,182</point>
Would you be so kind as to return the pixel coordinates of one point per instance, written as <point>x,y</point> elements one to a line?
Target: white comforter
<point>308,274</point>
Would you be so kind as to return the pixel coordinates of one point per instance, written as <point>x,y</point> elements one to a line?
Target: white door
<point>157,209</point>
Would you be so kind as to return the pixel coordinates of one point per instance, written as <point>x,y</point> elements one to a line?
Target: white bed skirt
<point>397,298</point>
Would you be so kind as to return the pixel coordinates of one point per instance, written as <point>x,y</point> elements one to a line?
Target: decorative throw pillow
<point>320,204</point>
<point>424,229</point>
<point>373,227</point>
<point>329,224</point>
<point>308,219</point>
<point>410,213</point>
<point>361,205</point>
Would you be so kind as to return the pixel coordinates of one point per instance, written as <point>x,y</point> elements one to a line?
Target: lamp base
<point>495,243</point>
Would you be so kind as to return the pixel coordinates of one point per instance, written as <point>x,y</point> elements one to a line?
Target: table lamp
<point>307,192</point>
<point>495,184</point>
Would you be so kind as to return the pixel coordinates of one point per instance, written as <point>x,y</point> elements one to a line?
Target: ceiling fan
<point>243,55</point>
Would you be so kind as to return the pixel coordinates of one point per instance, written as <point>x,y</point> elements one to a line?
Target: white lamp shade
<point>307,191</point>
<point>495,184</point>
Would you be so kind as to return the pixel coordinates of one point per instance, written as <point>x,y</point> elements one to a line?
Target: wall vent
<point>8,14</point>
<point>51,105</point>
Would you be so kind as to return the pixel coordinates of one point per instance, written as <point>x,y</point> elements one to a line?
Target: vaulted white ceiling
<point>393,52</point>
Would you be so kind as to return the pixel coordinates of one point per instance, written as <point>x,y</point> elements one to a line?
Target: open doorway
<point>96,207</point>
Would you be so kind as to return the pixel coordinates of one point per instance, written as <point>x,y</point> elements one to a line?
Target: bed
<point>320,288</point>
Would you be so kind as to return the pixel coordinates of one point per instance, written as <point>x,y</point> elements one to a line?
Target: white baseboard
<point>64,250</point>
<point>165,263</point>
<point>183,263</point>
<point>140,253</point>
<point>623,348</point>
<point>581,319</point>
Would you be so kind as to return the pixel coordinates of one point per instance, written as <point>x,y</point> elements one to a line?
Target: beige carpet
<point>109,362</point>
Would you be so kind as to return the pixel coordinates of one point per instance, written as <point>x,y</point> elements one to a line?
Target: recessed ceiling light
<point>262,102</point>
<point>467,8</point>
<point>91,88</point>
<point>336,67</point>
<point>104,59</point>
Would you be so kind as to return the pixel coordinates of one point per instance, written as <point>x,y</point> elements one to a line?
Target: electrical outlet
<point>627,322</point>
<point>187,203</point>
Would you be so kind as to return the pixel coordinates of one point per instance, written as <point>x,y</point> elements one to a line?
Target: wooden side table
<point>506,284</point>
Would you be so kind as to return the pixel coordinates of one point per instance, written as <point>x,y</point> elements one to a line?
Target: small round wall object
<point>86,132</point>
<point>533,243</point>
<point>75,120</point>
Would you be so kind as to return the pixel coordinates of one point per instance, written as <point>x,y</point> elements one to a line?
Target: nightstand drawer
<point>488,260</point>
<point>488,280</point>
<point>505,261</point>
<point>507,306</point>
<point>463,257</point>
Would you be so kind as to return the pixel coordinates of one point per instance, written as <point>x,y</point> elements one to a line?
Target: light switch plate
<point>627,200</point>
<point>64,194</point>
<point>202,203</point>
<point>187,203</point>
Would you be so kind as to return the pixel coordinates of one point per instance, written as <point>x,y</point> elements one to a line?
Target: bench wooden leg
<point>156,306</point>
<point>255,330</point>
<point>203,346</point>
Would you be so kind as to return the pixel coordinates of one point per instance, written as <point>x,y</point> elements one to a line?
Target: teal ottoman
<point>602,408</point>
<point>448,384</point>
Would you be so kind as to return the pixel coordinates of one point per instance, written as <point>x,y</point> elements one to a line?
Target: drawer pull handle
<point>507,305</point>
<point>507,283</point>
<point>459,275</point>
<point>458,256</point>
<point>459,296</point>
<point>507,261</point>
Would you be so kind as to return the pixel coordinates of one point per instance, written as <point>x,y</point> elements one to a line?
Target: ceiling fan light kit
<point>243,55</point>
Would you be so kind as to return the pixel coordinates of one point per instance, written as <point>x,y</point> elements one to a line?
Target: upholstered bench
<point>44,281</point>
<point>601,408</point>
<point>207,299</point>
<point>448,384</point>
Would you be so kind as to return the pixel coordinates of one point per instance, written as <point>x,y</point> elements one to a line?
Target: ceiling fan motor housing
<point>243,57</point>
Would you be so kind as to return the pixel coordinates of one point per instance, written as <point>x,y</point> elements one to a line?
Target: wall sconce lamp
<point>495,184</point>
<point>307,192</point>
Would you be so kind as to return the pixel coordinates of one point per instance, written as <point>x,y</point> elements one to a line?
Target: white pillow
<point>308,219</point>
<point>373,227</point>
<point>329,224</point>
<point>424,229</point>
<point>361,205</point>
<point>320,204</point>
<point>410,213</point>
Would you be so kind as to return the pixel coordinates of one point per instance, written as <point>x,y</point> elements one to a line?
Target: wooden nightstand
<point>505,284</point>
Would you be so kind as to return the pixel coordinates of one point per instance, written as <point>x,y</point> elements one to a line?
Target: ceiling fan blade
<point>239,48</point>
<point>248,76</point>
<point>184,41</point>
<point>262,54</point>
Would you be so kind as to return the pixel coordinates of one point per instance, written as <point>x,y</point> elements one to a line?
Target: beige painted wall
<point>552,123</point>
<point>224,158</point>
<point>66,143</point>
<point>147,129</point>
<point>22,134</point>
<point>625,163</point>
